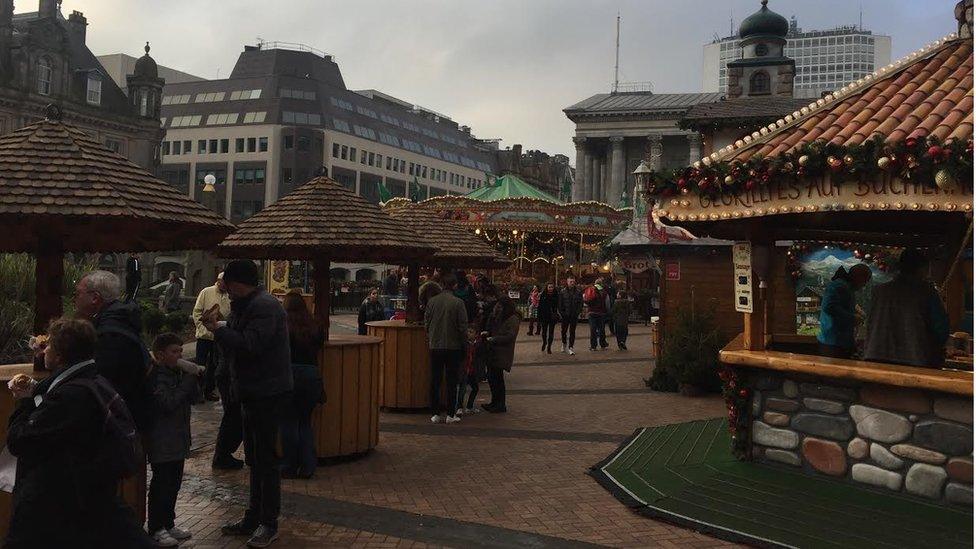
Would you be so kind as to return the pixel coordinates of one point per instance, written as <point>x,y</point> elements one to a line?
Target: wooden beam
<point>49,281</point>
<point>322,292</point>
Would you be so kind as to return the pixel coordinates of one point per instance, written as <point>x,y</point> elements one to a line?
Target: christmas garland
<point>737,402</point>
<point>881,256</point>
<point>928,161</point>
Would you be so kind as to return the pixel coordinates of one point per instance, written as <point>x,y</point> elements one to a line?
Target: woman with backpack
<point>501,335</point>
<point>307,339</point>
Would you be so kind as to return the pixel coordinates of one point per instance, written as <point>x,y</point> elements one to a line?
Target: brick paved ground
<point>512,480</point>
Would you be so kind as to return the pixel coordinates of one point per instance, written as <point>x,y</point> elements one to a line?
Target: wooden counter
<point>405,364</point>
<point>947,381</point>
<point>348,423</point>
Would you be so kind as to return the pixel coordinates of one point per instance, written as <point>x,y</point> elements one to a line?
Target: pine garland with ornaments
<point>928,161</point>
<point>737,403</point>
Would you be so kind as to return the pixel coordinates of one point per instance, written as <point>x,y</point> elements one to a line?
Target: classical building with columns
<point>615,131</point>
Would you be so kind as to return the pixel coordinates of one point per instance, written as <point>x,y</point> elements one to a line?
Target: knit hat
<point>243,271</point>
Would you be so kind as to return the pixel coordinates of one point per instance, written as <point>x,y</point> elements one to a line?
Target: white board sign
<point>742,268</point>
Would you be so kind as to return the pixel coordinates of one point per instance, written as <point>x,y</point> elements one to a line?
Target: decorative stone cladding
<point>910,441</point>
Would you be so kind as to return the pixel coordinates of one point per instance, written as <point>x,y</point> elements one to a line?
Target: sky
<point>506,68</point>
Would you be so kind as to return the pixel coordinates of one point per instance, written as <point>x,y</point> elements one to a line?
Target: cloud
<point>506,68</point>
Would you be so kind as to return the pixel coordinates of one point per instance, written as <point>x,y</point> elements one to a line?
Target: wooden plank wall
<point>348,422</point>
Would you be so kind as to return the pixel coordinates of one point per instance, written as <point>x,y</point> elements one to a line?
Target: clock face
<point>762,49</point>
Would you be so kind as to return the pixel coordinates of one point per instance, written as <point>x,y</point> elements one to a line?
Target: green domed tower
<point>763,69</point>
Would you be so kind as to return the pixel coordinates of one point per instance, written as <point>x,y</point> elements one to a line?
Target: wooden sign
<point>820,194</point>
<point>673,270</point>
<point>277,276</point>
<point>637,265</point>
<point>742,269</point>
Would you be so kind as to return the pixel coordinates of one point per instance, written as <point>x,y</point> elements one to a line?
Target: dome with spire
<point>764,23</point>
<point>146,66</point>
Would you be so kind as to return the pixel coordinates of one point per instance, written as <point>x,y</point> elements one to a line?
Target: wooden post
<point>413,293</point>
<point>323,293</point>
<point>49,280</point>
<point>755,328</point>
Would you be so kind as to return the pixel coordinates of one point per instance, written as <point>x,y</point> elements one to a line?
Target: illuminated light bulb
<point>763,131</point>
<point>682,218</point>
<point>933,206</point>
<point>916,206</point>
<point>685,203</point>
<point>713,217</point>
<point>714,156</point>
<point>697,164</point>
<point>736,214</point>
<point>477,231</point>
<point>772,210</point>
<point>804,110</point>
<point>739,143</point>
<point>798,209</point>
<point>693,217</point>
<point>866,205</point>
<point>851,206</point>
<point>756,135</point>
<point>725,215</point>
<point>967,207</point>
<point>950,206</point>
<point>747,139</point>
<point>674,202</point>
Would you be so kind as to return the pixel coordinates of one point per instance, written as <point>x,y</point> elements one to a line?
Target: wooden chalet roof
<point>928,93</point>
<point>456,245</point>
<point>322,219</point>
<point>61,189</point>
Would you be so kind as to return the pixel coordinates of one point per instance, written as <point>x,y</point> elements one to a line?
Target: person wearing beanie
<point>254,343</point>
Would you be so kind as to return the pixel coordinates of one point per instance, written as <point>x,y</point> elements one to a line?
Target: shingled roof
<point>322,219</point>
<point>457,246</point>
<point>752,110</point>
<point>63,189</point>
<point>928,93</point>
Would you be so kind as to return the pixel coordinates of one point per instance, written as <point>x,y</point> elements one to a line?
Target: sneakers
<point>179,534</point>
<point>263,537</point>
<point>162,539</point>
<point>471,411</point>
<point>571,351</point>
<point>239,528</point>
<point>437,418</point>
<point>623,346</point>
<point>460,412</point>
<point>564,348</point>
<point>452,419</point>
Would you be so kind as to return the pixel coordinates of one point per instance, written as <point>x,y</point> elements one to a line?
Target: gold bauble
<point>944,179</point>
<point>804,160</point>
<point>728,180</point>
<point>848,159</point>
<point>884,162</point>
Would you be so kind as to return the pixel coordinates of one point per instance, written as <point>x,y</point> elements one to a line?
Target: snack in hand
<point>20,381</point>
<point>37,341</point>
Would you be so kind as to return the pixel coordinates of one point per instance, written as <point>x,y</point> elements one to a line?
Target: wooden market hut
<point>62,192</point>
<point>321,222</point>
<point>886,160</point>
<point>405,370</point>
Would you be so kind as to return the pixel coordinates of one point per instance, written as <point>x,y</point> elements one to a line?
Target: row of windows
<point>376,160</point>
<point>214,119</point>
<point>858,39</point>
<point>245,94</point>
<point>175,100</point>
<point>45,75</point>
<point>210,97</point>
<point>410,145</point>
<point>184,121</point>
<point>215,146</point>
<point>311,118</point>
<point>296,94</point>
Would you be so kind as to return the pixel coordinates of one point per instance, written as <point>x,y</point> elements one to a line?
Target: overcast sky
<point>506,68</point>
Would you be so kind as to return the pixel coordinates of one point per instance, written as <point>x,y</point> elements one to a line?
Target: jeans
<point>463,385</point>
<point>444,363</point>
<point>621,331</point>
<point>598,333</point>
<point>570,324</point>
<point>167,477</point>
<point>231,431</point>
<point>548,329</point>
<point>207,358</point>
<point>262,417</point>
<point>496,381</point>
<point>297,440</point>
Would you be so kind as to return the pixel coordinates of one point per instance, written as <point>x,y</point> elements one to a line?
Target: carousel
<point>543,236</point>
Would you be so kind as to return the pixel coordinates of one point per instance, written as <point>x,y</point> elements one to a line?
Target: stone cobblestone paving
<point>507,480</point>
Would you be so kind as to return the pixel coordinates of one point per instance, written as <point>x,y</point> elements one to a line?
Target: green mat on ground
<point>686,474</point>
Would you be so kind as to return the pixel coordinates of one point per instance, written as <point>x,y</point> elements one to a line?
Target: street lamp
<point>642,174</point>
<point>209,198</point>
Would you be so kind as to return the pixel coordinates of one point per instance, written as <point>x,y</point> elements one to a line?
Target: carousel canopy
<point>322,219</point>
<point>456,245</point>
<point>510,186</point>
<point>887,158</point>
<point>63,191</point>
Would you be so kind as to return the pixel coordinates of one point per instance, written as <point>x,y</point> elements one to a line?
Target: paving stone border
<point>911,441</point>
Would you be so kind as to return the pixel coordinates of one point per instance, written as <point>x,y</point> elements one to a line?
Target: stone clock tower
<point>763,69</point>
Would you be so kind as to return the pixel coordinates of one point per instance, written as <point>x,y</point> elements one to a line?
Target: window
<point>223,118</point>
<point>183,121</point>
<point>303,143</point>
<point>341,104</point>
<point>202,146</point>
<point>759,83</point>
<point>209,97</point>
<point>366,112</point>
<point>389,163</point>
<point>362,131</point>
<point>289,117</point>
<point>262,144</point>
<point>286,176</point>
<point>44,73</point>
<point>340,125</point>
<point>252,144</point>
<point>244,94</point>
<point>259,176</point>
<point>379,161</point>
<point>225,146</point>
<point>296,94</point>
<point>164,149</point>
<point>335,150</point>
<point>352,154</point>
<point>94,94</point>
<point>254,117</point>
<point>362,157</point>
<point>187,146</point>
<point>288,142</point>
<point>239,145</point>
<point>345,152</point>
<point>213,146</point>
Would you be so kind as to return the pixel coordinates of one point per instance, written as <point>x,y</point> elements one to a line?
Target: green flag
<point>415,190</point>
<point>490,180</point>
<point>383,192</point>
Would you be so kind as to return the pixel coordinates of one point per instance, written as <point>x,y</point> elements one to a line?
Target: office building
<point>826,60</point>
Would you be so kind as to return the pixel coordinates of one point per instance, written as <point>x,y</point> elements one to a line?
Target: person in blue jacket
<point>839,318</point>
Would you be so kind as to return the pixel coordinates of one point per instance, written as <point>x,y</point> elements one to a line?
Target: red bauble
<point>911,142</point>
<point>750,184</point>
<point>744,393</point>
<point>765,178</point>
<point>934,151</point>
<point>682,183</point>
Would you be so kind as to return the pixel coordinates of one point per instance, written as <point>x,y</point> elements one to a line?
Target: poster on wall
<point>817,267</point>
<point>277,276</point>
<point>742,271</point>
<point>673,270</point>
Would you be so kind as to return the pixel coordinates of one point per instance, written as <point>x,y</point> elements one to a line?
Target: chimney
<point>964,16</point>
<point>466,129</point>
<point>77,24</point>
<point>48,9</point>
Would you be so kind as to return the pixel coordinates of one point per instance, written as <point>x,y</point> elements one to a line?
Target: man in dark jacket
<point>133,276</point>
<point>63,496</point>
<point>254,342</point>
<point>570,307</point>
<point>598,304</point>
<point>446,321</point>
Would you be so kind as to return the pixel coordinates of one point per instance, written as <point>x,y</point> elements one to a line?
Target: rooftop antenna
<point>860,17</point>
<point>731,33</point>
<point>616,62</point>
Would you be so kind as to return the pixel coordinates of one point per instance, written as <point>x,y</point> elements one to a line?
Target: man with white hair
<point>205,355</point>
<point>120,354</point>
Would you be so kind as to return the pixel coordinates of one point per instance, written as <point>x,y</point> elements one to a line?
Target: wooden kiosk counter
<point>888,161</point>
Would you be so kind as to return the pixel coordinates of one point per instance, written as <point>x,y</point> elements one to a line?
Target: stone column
<point>694,148</point>
<point>618,167</point>
<point>579,181</point>
<point>600,164</point>
<point>654,151</point>
<point>586,192</point>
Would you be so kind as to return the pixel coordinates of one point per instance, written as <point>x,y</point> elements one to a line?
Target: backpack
<point>144,419</point>
<point>118,453</point>
<point>590,294</point>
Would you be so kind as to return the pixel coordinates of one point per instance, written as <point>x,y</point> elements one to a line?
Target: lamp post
<point>641,176</point>
<point>209,198</point>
